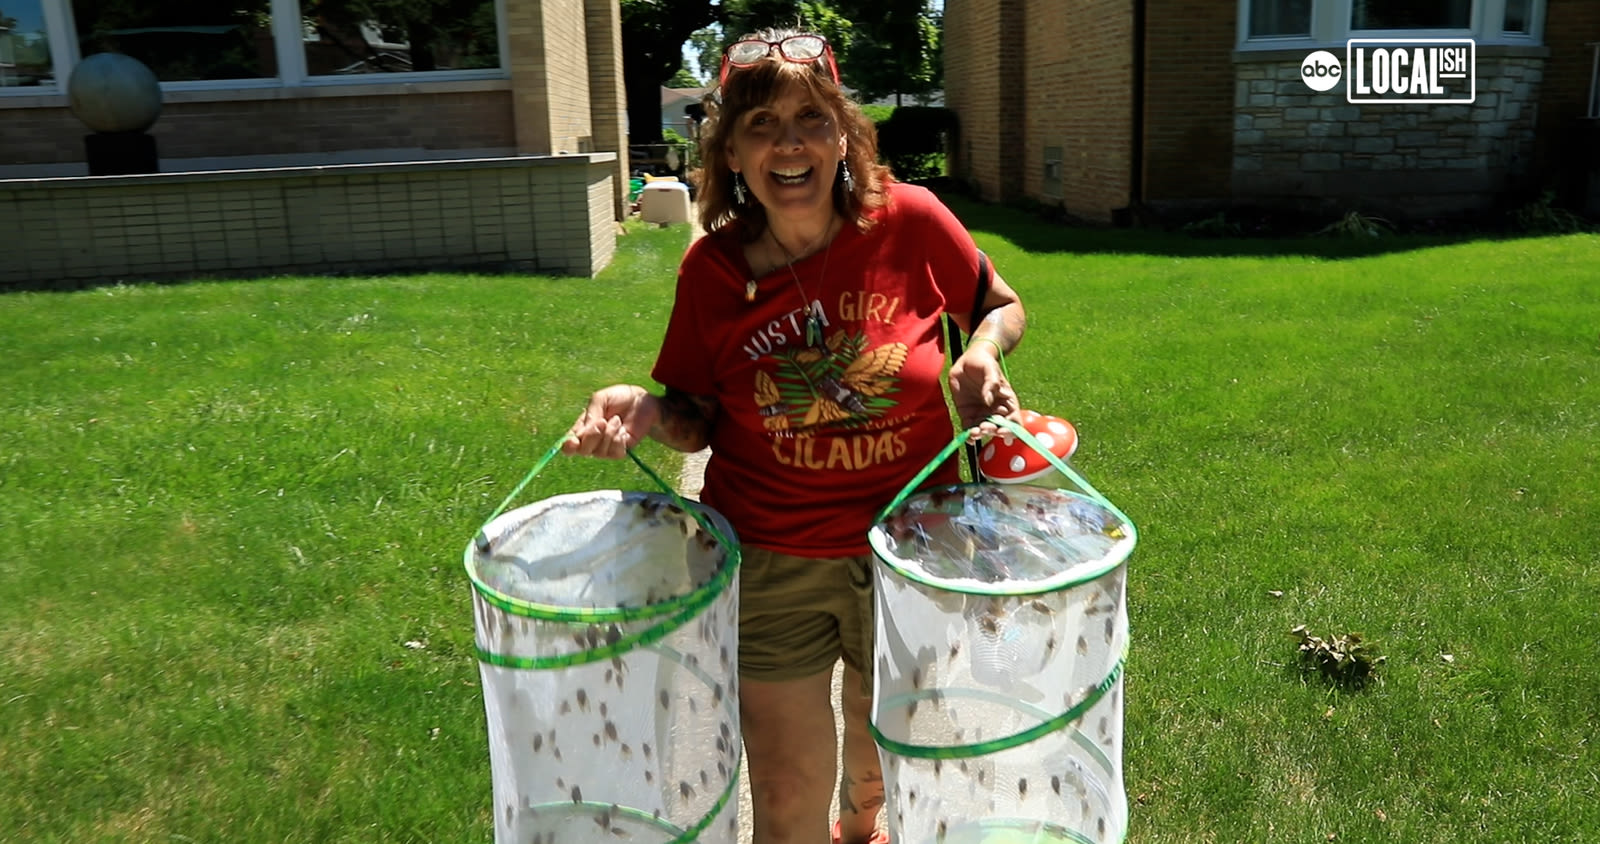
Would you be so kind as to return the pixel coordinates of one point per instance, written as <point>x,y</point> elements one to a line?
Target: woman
<point>804,349</point>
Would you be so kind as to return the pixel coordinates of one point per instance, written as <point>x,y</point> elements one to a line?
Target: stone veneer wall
<point>1291,143</point>
<point>547,213</point>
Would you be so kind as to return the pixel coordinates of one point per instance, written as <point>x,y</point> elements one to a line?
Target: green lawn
<point>227,507</point>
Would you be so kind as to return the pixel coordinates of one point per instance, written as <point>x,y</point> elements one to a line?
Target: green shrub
<point>913,140</point>
<point>877,113</point>
<point>1358,225</point>
<point>1542,217</point>
<point>1217,225</point>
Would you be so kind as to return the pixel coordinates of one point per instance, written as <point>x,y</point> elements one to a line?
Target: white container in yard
<point>664,202</point>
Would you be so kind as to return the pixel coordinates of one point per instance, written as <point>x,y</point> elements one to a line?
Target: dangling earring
<point>739,195</point>
<point>844,176</point>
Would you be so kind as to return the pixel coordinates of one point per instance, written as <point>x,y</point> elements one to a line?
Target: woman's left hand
<point>980,390</point>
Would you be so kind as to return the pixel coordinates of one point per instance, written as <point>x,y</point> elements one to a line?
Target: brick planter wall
<point>1291,143</point>
<point>549,214</point>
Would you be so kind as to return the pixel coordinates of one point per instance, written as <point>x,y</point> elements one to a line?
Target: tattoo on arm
<point>1003,325</point>
<point>685,422</point>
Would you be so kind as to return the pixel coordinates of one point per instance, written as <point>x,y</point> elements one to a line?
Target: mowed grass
<point>1403,445</point>
<point>227,507</point>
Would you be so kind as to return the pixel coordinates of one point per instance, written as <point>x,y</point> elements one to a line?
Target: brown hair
<point>749,87</point>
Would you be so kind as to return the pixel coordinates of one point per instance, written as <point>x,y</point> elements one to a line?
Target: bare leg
<point>789,745</point>
<point>861,787</point>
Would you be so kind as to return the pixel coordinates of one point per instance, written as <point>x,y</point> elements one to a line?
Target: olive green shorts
<point>798,615</point>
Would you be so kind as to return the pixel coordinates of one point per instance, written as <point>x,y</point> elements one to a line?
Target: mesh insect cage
<point>1001,636</point>
<point>606,631</point>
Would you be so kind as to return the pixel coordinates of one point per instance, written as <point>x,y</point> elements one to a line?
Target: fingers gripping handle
<point>1022,434</point>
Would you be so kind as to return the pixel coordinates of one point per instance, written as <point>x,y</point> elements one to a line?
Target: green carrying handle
<point>1022,434</point>
<point>482,540</point>
<point>674,612</point>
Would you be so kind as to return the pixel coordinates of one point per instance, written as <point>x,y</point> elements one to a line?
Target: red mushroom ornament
<point>1006,459</point>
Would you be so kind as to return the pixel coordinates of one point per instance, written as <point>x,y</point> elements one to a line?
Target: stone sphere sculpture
<point>111,92</point>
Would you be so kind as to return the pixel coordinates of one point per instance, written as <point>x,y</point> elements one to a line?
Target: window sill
<point>312,89</point>
<point>1280,52</point>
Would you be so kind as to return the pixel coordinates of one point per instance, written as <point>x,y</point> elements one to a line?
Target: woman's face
<point>789,151</point>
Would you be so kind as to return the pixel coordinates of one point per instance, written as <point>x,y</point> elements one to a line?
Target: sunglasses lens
<point>803,48</point>
<point>748,52</point>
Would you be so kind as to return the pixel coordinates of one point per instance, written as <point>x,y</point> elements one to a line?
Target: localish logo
<point>1400,70</point>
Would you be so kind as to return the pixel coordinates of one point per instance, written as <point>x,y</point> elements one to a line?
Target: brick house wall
<point>1079,73</point>
<point>1222,125</point>
<point>549,76</point>
<point>193,126</point>
<point>607,97</point>
<point>1301,148</point>
<point>972,88</point>
<point>546,214</point>
<point>1559,149</point>
<point>1188,121</point>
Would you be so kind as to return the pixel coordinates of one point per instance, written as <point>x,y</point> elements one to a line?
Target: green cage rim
<point>699,598</point>
<point>1122,552</point>
<point>647,636</point>
<point>1056,831</point>
<point>683,836</point>
<point>1087,491</point>
<point>984,748</point>
<point>707,518</point>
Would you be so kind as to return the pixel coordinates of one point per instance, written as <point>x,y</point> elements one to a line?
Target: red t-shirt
<point>812,439</point>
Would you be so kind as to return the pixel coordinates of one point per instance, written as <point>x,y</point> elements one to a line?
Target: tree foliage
<point>884,47</point>
<point>684,79</point>
<point>653,35</point>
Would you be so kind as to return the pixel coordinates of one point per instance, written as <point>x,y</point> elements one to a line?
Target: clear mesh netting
<point>607,633</point>
<point>1001,633</point>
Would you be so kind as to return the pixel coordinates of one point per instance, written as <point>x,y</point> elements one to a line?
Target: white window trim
<point>1330,27</point>
<point>288,44</point>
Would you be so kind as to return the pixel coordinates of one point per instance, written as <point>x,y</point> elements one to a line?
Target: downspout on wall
<point>1125,216</point>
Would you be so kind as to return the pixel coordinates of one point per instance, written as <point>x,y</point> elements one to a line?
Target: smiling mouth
<point>795,176</point>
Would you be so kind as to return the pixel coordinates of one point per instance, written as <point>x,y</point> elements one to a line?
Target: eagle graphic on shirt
<point>839,383</point>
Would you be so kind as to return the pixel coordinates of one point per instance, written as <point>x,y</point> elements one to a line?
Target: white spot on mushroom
<point>1018,463</point>
<point>988,453</point>
<point>1047,441</point>
<point>1057,427</point>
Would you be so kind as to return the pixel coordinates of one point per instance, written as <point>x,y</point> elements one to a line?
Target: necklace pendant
<point>750,290</point>
<point>813,331</point>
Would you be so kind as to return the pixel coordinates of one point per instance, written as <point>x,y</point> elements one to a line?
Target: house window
<point>182,42</point>
<point>1518,16</point>
<point>24,46</point>
<point>1410,14</point>
<point>1271,24</point>
<point>1280,18</point>
<point>347,37</point>
<point>253,43</point>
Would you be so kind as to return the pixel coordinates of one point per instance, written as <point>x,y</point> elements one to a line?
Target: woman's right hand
<point>617,418</point>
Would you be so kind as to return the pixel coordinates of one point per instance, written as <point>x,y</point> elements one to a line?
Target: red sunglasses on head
<point>800,49</point>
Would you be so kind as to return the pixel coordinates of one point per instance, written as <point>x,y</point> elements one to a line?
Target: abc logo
<point>1321,70</point>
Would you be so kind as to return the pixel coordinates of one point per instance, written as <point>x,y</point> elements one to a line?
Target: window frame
<point>288,46</point>
<point>1330,27</point>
